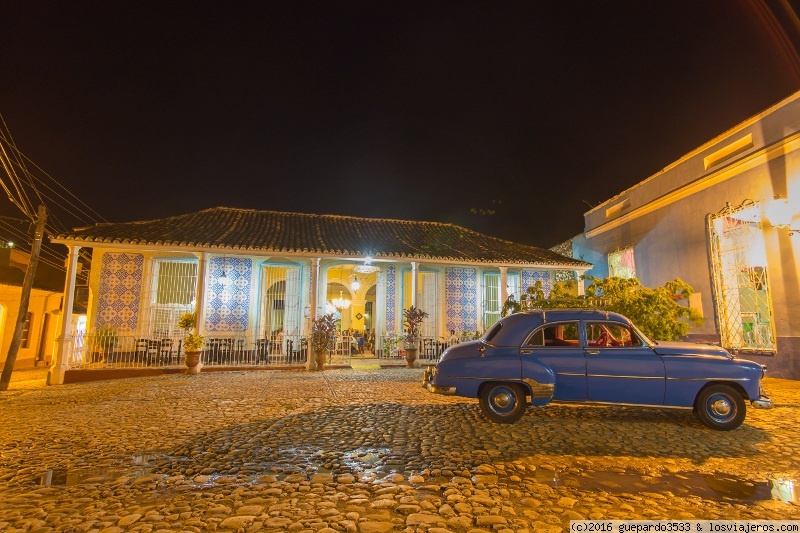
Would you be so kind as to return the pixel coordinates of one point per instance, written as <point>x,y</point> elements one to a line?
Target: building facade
<point>259,278</point>
<point>723,218</point>
<point>44,309</point>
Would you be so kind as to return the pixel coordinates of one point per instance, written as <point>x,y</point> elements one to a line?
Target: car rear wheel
<point>721,407</point>
<point>503,402</point>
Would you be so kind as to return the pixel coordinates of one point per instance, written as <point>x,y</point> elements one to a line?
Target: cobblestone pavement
<point>367,451</point>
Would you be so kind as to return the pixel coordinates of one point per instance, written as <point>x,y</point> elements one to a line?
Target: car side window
<point>609,334</point>
<point>565,334</point>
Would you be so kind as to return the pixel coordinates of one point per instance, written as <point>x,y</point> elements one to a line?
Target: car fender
<point>540,380</point>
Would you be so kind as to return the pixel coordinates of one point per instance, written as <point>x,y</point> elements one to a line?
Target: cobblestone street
<point>368,451</point>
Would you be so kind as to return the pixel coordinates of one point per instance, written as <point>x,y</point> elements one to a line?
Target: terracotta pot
<point>320,359</point>
<point>411,356</point>
<point>193,362</point>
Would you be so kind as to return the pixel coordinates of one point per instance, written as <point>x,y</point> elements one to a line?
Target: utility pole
<point>30,273</point>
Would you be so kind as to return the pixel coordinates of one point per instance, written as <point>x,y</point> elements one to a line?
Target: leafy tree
<point>656,311</point>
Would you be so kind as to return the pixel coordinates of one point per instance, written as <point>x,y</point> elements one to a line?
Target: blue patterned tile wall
<point>461,297</point>
<point>391,298</point>
<point>530,277</point>
<point>228,307</point>
<point>120,291</point>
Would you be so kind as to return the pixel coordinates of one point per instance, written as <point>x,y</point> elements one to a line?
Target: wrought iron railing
<point>392,347</point>
<point>104,350</point>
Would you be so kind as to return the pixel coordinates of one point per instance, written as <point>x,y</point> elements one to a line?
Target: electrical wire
<point>21,184</point>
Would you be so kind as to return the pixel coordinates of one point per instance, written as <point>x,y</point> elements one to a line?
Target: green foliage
<point>323,333</point>
<point>192,342</point>
<point>656,311</point>
<point>413,319</point>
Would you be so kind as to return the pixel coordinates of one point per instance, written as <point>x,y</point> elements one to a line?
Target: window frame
<point>560,324</point>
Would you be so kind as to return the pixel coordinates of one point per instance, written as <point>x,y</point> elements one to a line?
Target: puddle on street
<point>375,464</point>
<point>710,486</point>
<point>139,465</point>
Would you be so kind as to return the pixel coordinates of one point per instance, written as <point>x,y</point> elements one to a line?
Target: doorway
<point>739,279</point>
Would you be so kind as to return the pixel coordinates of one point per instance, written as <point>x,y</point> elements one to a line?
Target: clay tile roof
<point>275,231</point>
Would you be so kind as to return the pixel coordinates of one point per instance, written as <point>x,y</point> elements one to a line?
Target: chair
<point>262,349</point>
<point>237,353</point>
<point>165,351</point>
<point>141,350</point>
<point>147,350</point>
<point>216,350</point>
<point>429,348</point>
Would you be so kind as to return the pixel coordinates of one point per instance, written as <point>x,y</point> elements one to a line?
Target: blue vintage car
<point>577,355</point>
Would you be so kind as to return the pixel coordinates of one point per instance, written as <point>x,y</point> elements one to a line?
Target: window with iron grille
<point>281,300</point>
<point>427,299</point>
<point>174,292</point>
<point>512,286</point>
<point>491,299</point>
<point>26,330</point>
<point>621,263</point>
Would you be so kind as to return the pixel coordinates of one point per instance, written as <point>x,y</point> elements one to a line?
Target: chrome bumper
<point>762,403</point>
<point>427,382</point>
<point>447,391</point>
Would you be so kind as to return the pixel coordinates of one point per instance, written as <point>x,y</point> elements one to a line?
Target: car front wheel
<point>503,402</point>
<point>721,407</point>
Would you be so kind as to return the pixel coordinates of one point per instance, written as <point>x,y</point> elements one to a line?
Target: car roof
<point>515,327</point>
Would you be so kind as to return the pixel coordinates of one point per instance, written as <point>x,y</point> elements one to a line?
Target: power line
<point>22,185</point>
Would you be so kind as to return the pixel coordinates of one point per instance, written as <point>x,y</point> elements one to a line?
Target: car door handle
<point>592,352</point>
<point>526,351</point>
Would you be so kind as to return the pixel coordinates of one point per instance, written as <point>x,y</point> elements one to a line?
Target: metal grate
<point>491,300</point>
<point>427,300</point>
<point>739,279</point>
<point>173,293</point>
<point>281,303</point>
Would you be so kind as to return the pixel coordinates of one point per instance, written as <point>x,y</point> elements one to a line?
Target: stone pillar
<point>55,376</point>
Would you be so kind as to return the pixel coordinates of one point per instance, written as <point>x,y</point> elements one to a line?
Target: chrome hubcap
<point>721,407</point>
<point>503,400</point>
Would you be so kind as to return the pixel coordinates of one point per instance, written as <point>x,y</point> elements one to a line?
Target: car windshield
<point>644,337</point>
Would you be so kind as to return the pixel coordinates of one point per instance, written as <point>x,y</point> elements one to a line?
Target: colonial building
<point>44,307</point>
<point>724,218</point>
<point>257,279</point>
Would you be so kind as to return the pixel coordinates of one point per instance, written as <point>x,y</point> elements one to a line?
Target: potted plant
<point>323,334</point>
<point>192,342</point>
<point>413,320</point>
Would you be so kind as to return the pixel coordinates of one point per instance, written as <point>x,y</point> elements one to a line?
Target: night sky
<point>509,118</point>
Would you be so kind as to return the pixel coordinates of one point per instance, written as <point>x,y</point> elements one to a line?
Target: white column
<point>200,302</point>
<point>580,282</point>
<point>314,287</point>
<point>503,286</point>
<point>311,364</point>
<point>414,267</point>
<point>200,295</point>
<point>64,341</point>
